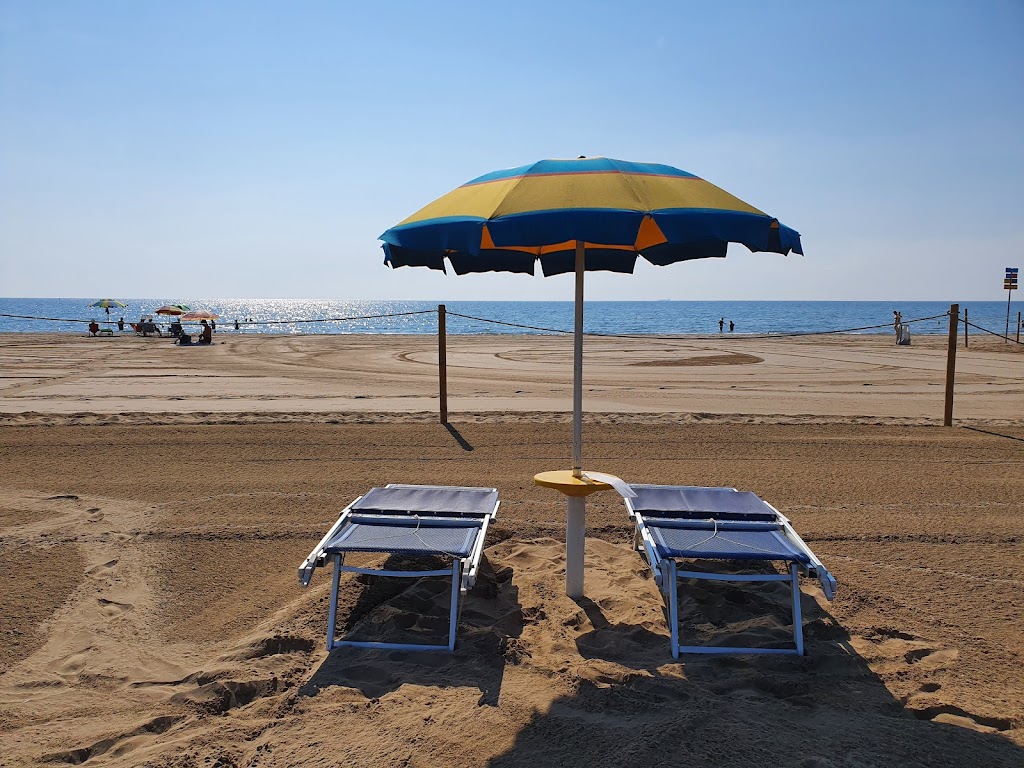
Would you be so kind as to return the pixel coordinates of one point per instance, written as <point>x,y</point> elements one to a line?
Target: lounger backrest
<point>419,500</point>
<point>691,503</point>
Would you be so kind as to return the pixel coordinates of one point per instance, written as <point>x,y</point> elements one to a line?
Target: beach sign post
<point>1010,284</point>
<point>573,216</point>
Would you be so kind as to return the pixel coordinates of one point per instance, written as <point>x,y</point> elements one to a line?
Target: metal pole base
<point>575,535</point>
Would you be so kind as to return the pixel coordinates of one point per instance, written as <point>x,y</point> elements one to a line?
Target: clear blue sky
<point>257,149</point>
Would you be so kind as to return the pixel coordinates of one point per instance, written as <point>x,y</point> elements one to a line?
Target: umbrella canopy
<point>507,220</point>
<point>173,309</point>
<point>199,314</point>
<point>106,304</point>
<point>577,215</point>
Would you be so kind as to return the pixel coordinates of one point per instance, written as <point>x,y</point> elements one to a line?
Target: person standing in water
<point>721,325</point>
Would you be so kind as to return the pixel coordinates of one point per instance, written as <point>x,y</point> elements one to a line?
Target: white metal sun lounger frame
<point>463,571</point>
<point>667,574</point>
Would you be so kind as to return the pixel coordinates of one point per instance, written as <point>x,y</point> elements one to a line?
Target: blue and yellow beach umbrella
<point>574,216</point>
<point>507,220</point>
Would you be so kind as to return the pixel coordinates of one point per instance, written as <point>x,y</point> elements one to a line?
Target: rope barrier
<point>690,337</point>
<point>333,319</point>
<point>57,319</point>
<point>648,336</point>
<point>993,333</point>
<point>245,322</point>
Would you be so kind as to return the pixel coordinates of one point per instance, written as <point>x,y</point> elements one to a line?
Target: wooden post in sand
<point>442,363</point>
<point>954,322</point>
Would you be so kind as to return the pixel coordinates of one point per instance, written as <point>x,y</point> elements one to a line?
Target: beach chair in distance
<point>674,523</point>
<point>424,520</point>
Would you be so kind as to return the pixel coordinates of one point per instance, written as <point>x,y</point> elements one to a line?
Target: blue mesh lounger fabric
<point>407,537</point>
<point>746,543</point>
<point>700,503</point>
<point>443,500</point>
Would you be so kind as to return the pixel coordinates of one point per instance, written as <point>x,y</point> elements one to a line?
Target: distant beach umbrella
<point>573,216</point>
<point>199,314</point>
<point>173,309</point>
<point>107,304</point>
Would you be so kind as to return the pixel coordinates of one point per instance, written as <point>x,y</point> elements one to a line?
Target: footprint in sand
<point>73,663</point>
<point>950,714</point>
<point>103,570</point>
<point>894,645</point>
<point>93,515</point>
<point>111,609</point>
<point>931,658</point>
<point>120,744</point>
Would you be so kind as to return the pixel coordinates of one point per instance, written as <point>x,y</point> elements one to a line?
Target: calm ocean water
<point>613,317</point>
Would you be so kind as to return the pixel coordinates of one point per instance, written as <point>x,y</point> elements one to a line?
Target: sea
<point>656,318</point>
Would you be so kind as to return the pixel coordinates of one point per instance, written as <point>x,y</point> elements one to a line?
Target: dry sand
<point>831,376</point>
<point>148,548</point>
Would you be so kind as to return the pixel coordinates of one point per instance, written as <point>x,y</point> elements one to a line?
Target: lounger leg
<point>673,607</point>
<point>455,604</point>
<point>798,621</point>
<point>575,533</point>
<point>333,611</point>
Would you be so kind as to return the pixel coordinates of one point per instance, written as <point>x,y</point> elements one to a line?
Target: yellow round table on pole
<point>576,489</point>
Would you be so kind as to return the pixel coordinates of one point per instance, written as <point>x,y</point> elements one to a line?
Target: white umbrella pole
<point>577,368</point>
<point>575,525</point>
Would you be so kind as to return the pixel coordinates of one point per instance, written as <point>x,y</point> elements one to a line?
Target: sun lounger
<point>425,520</point>
<point>675,523</point>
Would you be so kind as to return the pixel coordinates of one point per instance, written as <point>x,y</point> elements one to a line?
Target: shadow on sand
<point>392,610</point>
<point>603,689</point>
<point>463,442</point>
<point>824,709</point>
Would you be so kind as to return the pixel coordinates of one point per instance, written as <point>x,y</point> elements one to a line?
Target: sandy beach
<point>43,376</point>
<point>156,501</point>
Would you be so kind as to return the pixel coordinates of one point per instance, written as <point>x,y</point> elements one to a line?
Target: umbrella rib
<point>514,187</point>
<point>627,181</point>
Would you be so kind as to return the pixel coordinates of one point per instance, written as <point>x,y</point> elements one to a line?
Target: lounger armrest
<point>318,556</point>
<point>306,571</point>
<point>827,581</point>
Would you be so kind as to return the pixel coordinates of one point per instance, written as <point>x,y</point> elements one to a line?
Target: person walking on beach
<point>721,325</point>
<point>897,321</point>
<point>120,324</point>
<point>732,325</point>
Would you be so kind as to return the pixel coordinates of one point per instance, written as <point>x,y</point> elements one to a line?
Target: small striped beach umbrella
<point>196,315</point>
<point>578,215</point>
<point>106,304</point>
<point>173,309</point>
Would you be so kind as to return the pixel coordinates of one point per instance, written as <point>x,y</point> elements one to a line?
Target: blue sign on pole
<point>1010,284</point>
